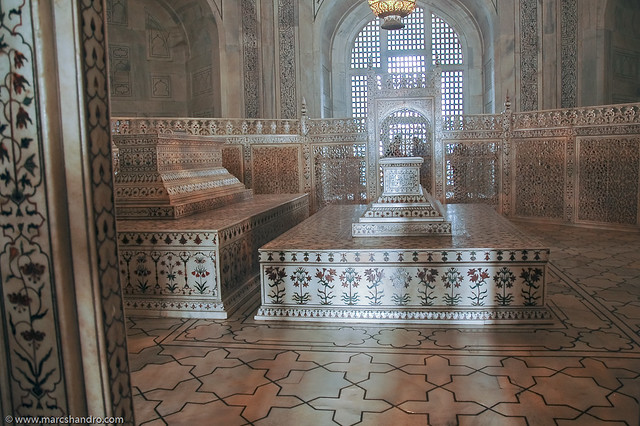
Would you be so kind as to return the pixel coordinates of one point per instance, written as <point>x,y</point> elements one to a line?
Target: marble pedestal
<point>404,208</point>
<point>205,265</point>
<point>486,272</point>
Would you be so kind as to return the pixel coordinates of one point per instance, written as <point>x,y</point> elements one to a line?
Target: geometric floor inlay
<point>582,370</point>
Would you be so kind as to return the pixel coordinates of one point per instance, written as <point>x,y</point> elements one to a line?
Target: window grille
<point>407,51</point>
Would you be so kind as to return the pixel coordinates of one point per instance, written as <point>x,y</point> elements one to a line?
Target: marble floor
<point>582,370</point>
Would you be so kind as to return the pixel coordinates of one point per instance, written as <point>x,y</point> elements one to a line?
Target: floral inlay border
<point>34,356</point>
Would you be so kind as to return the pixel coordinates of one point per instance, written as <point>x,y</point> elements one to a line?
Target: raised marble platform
<point>486,272</point>
<point>202,265</point>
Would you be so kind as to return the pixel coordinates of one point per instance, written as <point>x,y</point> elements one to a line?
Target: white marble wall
<point>261,58</point>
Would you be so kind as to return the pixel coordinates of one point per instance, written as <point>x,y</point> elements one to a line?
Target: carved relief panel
<point>539,177</point>
<point>233,161</point>
<point>529,45</point>
<point>157,38</point>
<point>120,70</point>
<point>609,179</point>
<point>117,12</point>
<point>250,58</point>
<point>472,171</point>
<point>33,365</point>
<point>276,169</point>
<point>339,174</point>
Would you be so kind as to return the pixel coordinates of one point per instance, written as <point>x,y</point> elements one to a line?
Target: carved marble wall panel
<point>160,86</point>
<point>276,169</point>
<point>201,81</point>
<point>117,12</point>
<point>473,170</point>
<point>569,53</point>
<point>316,6</point>
<point>583,119</point>
<point>206,126</point>
<point>626,64</point>
<point>339,173</point>
<point>288,61</point>
<point>233,160</point>
<point>157,38</point>
<point>48,300</point>
<point>609,179</point>
<point>120,70</point>
<point>250,58</point>
<point>539,177</point>
<point>529,47</point>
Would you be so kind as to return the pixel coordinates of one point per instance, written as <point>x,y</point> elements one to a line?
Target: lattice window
<point>408,51</point>
<point>406,64</point>
<point>366,47</point>
<point>445,45</point>
<point>452,93</point>
<point>359,95</point>
<point>411,36</point>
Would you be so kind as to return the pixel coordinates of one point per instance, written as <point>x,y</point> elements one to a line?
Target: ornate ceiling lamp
<point>392,12</point>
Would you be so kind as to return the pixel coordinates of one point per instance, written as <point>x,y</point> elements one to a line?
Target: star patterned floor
<point>582,370</point>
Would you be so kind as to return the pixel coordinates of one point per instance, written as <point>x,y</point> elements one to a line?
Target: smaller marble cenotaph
<point>404,208</point>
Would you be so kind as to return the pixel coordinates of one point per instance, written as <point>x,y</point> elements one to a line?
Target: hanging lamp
<point>392,12</point>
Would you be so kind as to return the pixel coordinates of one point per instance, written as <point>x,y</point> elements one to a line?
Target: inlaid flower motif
<point>22,117</point>
<point>200,270</point>
<point>401,278</point>
<point>33,271</point>
<point>504,277</point>
<point>32,335</point>
<point>275,273</point>
<point>350,277</point>
<point>142,270</point>
<point>300,277</point>
<point>18,59</point>
<point>18,82</point>
<point>19,299</point>
<point>452,277</point>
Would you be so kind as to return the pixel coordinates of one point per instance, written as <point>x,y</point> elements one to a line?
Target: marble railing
<point>578,117</point>
<point>577,165</point>
<point>204,126</point>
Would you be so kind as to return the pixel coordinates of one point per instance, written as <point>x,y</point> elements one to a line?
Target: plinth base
<point>205,265</point>
<point>486,272</point>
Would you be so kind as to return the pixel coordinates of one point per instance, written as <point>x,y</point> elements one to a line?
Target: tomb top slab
<point>473,227</point>
<point>213,220</point>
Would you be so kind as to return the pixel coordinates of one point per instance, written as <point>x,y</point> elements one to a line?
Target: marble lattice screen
<point>577,165</point>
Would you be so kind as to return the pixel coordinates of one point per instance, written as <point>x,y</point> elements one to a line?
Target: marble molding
<point>172,176</point>
<point>487,272</point>
<point>404,208</point>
